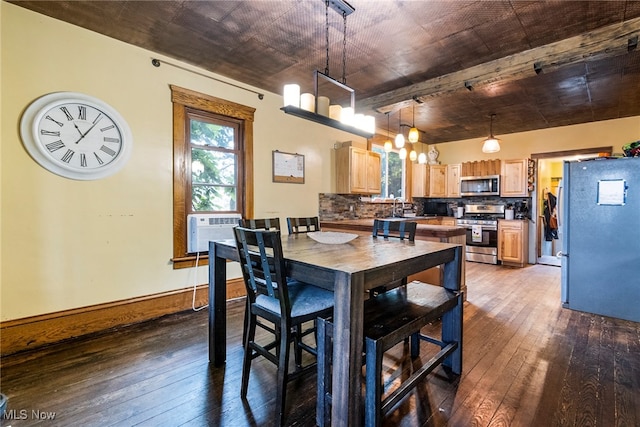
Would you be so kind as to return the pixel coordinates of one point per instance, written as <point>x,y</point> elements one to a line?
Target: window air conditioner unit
<point>202,228</point>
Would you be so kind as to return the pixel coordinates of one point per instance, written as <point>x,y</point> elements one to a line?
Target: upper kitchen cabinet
<point>435,180</point>
<point>358,171</point>
<point>481,168</point>
<point>453,180</point>
<point>514,178</point>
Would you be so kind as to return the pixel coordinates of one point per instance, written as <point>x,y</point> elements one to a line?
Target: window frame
<point>182,100</point>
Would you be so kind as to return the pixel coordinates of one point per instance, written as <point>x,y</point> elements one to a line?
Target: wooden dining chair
<point>278,304</point>
<point>397,230</point>
<point>260,223</point>
<point>303,225</point>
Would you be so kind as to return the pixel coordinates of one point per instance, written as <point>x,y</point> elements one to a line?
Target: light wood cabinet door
<point>513,242</point>
<point>453,180</point>
<point>374,173</point>
<point>437,182</point>
<point>448,221</point>
<point>513,179</point>
<point>419,180</point>
<point>358,171</point>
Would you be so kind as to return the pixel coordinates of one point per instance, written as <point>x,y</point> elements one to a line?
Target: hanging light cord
<point>344,49</point>
<point>491,126</point>
<point>388,126</point>
<point>326,16</point>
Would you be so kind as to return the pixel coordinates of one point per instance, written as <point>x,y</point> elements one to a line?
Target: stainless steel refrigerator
<point>600,211</point>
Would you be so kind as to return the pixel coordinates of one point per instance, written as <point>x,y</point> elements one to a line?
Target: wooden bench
<point>390,318</point>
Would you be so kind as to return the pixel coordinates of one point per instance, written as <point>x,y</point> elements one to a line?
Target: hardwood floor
<point>526,362</point>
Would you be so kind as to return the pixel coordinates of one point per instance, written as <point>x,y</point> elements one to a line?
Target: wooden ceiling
<point>535,64</point>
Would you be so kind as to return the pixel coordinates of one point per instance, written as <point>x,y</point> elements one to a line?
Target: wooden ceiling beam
<point>609,41</point>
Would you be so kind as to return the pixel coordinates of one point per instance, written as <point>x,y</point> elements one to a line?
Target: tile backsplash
<point>350,206</point>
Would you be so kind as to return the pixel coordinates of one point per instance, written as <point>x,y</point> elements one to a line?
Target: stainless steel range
<point>481,222</point>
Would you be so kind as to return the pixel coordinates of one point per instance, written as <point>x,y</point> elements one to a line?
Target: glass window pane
<point>212,135</point>
<point>213,167</point>
<point>213,198</point>
<point>394,180</point>
<point>393,172</point>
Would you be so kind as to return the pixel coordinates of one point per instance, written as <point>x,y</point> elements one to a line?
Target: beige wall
<point>68,244</point>
<point>613,133</point>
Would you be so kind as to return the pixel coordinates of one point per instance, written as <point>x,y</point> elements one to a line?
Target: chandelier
<point>318,108</point>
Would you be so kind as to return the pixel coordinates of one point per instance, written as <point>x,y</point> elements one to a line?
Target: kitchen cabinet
<point>513,179</point>
<point>435,180</point>
<point>481,168</point>
<point>358,171</point>
<point>453,180</point>
<point>419,180</point>
<point>513,242</point>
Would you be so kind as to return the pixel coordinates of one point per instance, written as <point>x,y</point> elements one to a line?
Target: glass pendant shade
<point>413,135</point>
<point>388,146</point>
<point>491,145</point>
<point>399,140</point>
<point>413,155</point>
<point>422,158</point>
<point>403,153</point>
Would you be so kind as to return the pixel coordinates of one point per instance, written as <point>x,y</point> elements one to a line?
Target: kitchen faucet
<point>394,206</point>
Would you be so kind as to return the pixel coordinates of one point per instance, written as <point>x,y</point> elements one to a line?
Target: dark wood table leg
<point>452,320</point>
<point>217,307</point>
<point>348,338</point>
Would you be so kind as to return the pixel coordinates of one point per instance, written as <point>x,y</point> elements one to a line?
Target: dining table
<point>349,270</point>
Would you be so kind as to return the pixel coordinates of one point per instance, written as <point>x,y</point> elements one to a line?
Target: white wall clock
<point>76,135</point>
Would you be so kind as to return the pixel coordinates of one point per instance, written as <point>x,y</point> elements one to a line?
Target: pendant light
<point>413,155</point>
<point>422,157</point>
<point>413,132</point>
<point>403,153</point>
<point>491,144</point>
<point>400,137</point>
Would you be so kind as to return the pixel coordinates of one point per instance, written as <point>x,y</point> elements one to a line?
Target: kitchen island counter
<point>423,230</point>
<point>431,232</point>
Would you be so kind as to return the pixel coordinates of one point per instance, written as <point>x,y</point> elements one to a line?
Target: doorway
<point>548,239</point>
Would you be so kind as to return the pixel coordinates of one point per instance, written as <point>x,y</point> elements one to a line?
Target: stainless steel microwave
<point>480,185</point>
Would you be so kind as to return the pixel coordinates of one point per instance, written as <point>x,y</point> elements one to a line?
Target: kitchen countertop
<point>426,230</point>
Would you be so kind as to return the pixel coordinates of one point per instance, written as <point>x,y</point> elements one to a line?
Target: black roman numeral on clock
<point>107,150</point>
<point>82,112</point>
<point>49,132</point>
<point>66,113</point>
<point>55,146</point>
<point>106,128</point>
<point>68,155</point>
<point>116,140</point>
<point>53,120</point>
<point>83,160</point>
<point>100,161</point>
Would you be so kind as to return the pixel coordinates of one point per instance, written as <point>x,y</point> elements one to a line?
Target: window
<point>216,163</point>
<point>393,173</point>
<point>212,162</point>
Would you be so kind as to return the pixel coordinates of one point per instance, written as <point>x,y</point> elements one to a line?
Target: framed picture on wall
<point>288,167</point>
